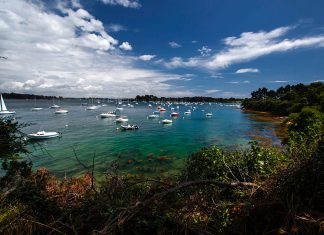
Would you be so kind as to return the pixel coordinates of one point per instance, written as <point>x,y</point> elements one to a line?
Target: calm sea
<point>152,149</point>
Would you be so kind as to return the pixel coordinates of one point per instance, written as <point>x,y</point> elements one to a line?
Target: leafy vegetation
<point>288,99</point>
<point>256,191</point>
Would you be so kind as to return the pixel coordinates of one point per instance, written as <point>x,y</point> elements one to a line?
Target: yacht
<point>43,135</point>
<point>107,115</point>
<point>175,114</point>
<point>122,119</point>
<point>61,111</point>
<point>166,121</point>
<point>153,116</point>
<point>3,108</point>
<point>129,127</point>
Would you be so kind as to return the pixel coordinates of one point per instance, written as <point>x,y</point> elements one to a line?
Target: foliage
<point>287,100</point>
<point>214,163</point>
<point>12,140</point>
<point>306,134</point>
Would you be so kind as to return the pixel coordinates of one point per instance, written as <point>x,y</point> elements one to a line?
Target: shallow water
<point>153,149</point>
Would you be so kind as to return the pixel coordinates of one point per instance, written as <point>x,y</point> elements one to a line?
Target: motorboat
<point>175,114</point>
<point>107,115</point>
<point>61,111</point>
<point>162,109</point>
<point>153,116</point>
<point>149,106</point>
<point>166,121</point>
<point>3,108</point>
<point>209,114</point>
<point>129,127</point>
<point>187,112</point>
<point>119,109</point>
<point>43,135</point>
<point>122,119</point>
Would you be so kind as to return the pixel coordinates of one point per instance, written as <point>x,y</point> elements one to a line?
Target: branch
<point>131,211</point>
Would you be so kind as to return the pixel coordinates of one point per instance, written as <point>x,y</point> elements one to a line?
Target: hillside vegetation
<point>288,99</point>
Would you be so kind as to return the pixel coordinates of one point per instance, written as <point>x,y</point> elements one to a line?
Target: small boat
<point>122,119</point>
<point>119,109</point>
<point>35,108</point>
<point>175,114</point>
<point>187,112</point>
<point>55,106</point>
<point>209,114</point>
<point>162,109</point>
<point>43,135</point>
<point>153,116</point>
<point>166,121</point>
<point>92,107</point>
<point>3,108</point>
<point>156,112</point>
<point>61,111</point>
<point>129,127</point>
<point>107,115</point>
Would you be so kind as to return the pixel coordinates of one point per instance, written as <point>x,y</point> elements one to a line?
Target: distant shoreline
<point>146,98</point>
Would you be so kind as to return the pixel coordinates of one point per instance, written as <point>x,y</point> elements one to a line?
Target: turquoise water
<point>153,149</point>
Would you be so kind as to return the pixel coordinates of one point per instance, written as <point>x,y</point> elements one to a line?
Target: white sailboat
<point>3,108</point>
<point>35,108</point>
<point>55,106</point>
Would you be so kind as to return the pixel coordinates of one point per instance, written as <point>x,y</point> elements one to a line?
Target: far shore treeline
<point>139,98</point>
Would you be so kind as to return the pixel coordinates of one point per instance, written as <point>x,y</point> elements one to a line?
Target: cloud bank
<point>69,53</point>
<point>248,46</point>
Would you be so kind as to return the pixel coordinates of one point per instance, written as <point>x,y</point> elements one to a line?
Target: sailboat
<point>35,108</point>
<point>3,108</point>
<point>55,106</point>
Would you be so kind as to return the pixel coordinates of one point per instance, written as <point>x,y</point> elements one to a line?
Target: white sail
<point>3,105</point>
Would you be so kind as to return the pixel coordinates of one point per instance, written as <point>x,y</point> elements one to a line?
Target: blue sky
<point>121,48</point>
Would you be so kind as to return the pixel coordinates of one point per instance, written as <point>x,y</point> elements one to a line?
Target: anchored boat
<point>43,135</point>
<point>3,108</point>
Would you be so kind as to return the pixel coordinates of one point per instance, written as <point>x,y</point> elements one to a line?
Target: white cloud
<point>249,46</point>
<point>278,81</point>
<point>68,54</point>
<point>204,51</point>
<point>124,3</point>
<point>212,91</point>
<point>238,82</point>
<point>146,57</point>
<point>174,45</point>
<point>116,28</point>
<point>248,70</point>
<point>126,46</point>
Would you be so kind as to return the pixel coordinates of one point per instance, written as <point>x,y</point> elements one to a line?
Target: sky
<point>124,48</point>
